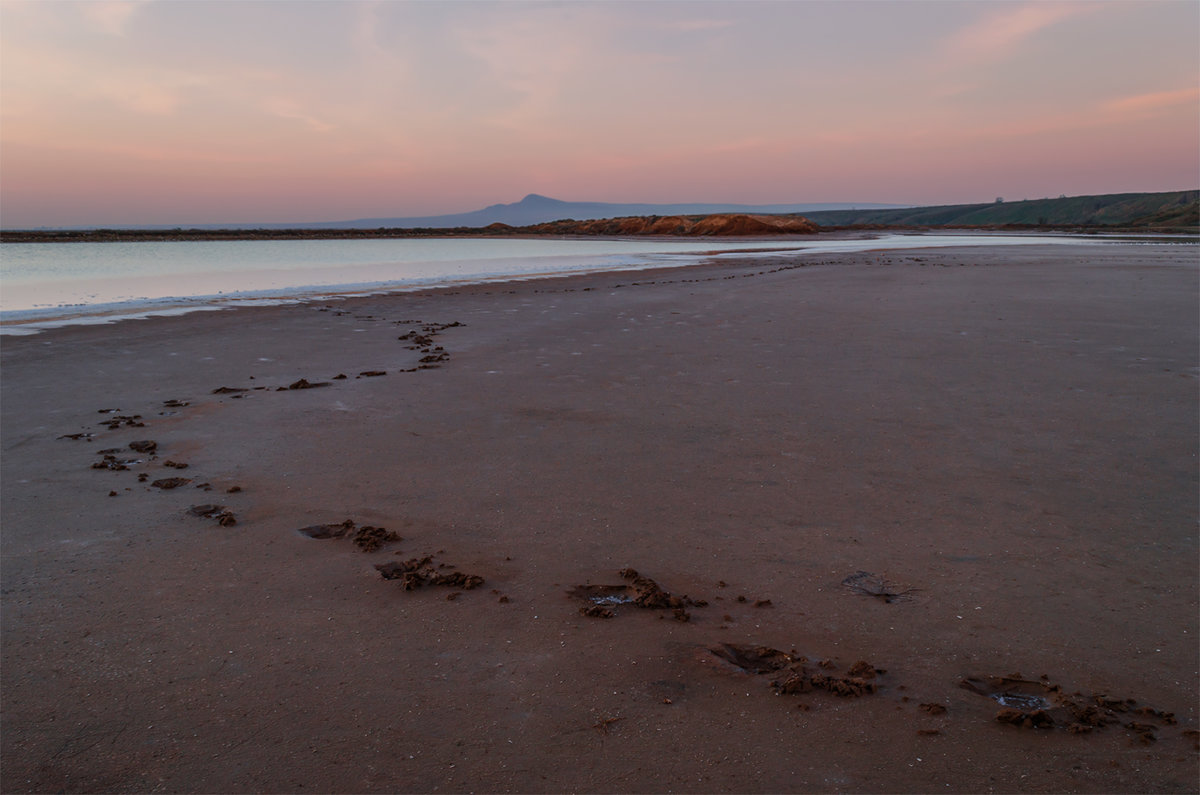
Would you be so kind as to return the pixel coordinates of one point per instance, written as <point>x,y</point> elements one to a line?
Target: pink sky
<point>178,112</point>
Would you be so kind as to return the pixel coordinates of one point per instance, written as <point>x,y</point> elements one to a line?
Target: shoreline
<point>949,465</point>
<point>335,282</point>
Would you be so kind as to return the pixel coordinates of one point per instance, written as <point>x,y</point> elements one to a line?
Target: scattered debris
<point>303,384</point>
<point>1039,704</point>
<point>864,582</point>
<point>132,421</point>
<point>220,513</point>
<point>418,572</point>
<point>641,592</point>
<point>110,461</point>
<point>793,672</point>
<point>147,446</point>
<point>170,483</point>
<point>367,538</point>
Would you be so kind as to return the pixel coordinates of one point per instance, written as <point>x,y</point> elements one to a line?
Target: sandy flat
<point>971,470</point>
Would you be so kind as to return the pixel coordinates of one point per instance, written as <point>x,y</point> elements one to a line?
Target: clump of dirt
<point>327,530</point>
<point>133,421</point>
<point>423,341</point>
<point>418,572</point>
<point>110,461</point>
<point>145,446</point>
<point>368,538</point>
<point>1040,704</point>
<point>804,681</point>
<point>372,373</point>
<point>220,513</point>
<point>303,384</point>
<point>170,483</point>
<point>77,436</point>
<point>754,659</point>
<point>1038,719</point>
<point>868,584</point>
<point>228,390</point>
<point>175,404</point>
<point>641,592</point>
<point>794,674</point>
<point>175,464</point>
<point>371,539</point>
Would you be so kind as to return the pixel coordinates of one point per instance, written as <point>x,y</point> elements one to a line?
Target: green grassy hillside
<point>1172,210</point>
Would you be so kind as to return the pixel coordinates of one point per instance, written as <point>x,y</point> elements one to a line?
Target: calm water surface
<point>45,284</point>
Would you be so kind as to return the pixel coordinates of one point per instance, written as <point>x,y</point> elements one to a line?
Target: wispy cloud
<point>1001,34</point>
<point>1156,100</point>
<point>290,109</point>
<point>111,16</point>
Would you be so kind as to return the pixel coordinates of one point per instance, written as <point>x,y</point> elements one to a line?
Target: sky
<point>219,111</point>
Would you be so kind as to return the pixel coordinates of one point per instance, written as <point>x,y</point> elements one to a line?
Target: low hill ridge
<point>716,225</point>
<point>1172,210</point>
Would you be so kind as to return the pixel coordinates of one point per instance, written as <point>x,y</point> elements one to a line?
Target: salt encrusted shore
<point>897,521</point>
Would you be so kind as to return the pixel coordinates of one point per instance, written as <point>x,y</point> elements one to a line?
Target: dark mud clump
<point>368,538</point>
<point>372,373</point>
<point>303,384</point>
<point>1037,719</point>
<point>147,446</point>
<point>419,572</point>
<point>175,465</point>
<point>220,513</point>
<point>327,530</point>
<point>799,679</point>
<point>110,461</point>
<point>794,674</point>
<point>868,584</point>
<point>372,539</point>
<point>641,592</point>
<point>77,436</point>
<point>228,390</point>
<point>1040,704</point>
<point>118,421</point>
<point>754,659</point>
<point>170,483</point>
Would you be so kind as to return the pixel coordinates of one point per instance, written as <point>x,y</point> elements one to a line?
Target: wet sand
<point>887,522</point>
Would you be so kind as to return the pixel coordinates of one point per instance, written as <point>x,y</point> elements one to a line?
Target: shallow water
<point>49,284</point>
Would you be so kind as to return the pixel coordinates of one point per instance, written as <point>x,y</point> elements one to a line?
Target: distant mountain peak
<point>537,198</point>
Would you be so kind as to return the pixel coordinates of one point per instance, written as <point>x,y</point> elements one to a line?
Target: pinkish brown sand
<point>1009,432</point>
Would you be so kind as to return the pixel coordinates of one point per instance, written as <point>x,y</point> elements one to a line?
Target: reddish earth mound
<point>684,225</point>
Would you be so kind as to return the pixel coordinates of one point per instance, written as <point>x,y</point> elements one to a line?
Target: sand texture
<point>884,522</point>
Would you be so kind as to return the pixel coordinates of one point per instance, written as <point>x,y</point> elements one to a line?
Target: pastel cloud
<point>1155,100</point>
<point>299,110</point>
<point>1001,33</point>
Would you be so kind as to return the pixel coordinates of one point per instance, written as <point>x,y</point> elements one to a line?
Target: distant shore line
<point>495,230</point>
